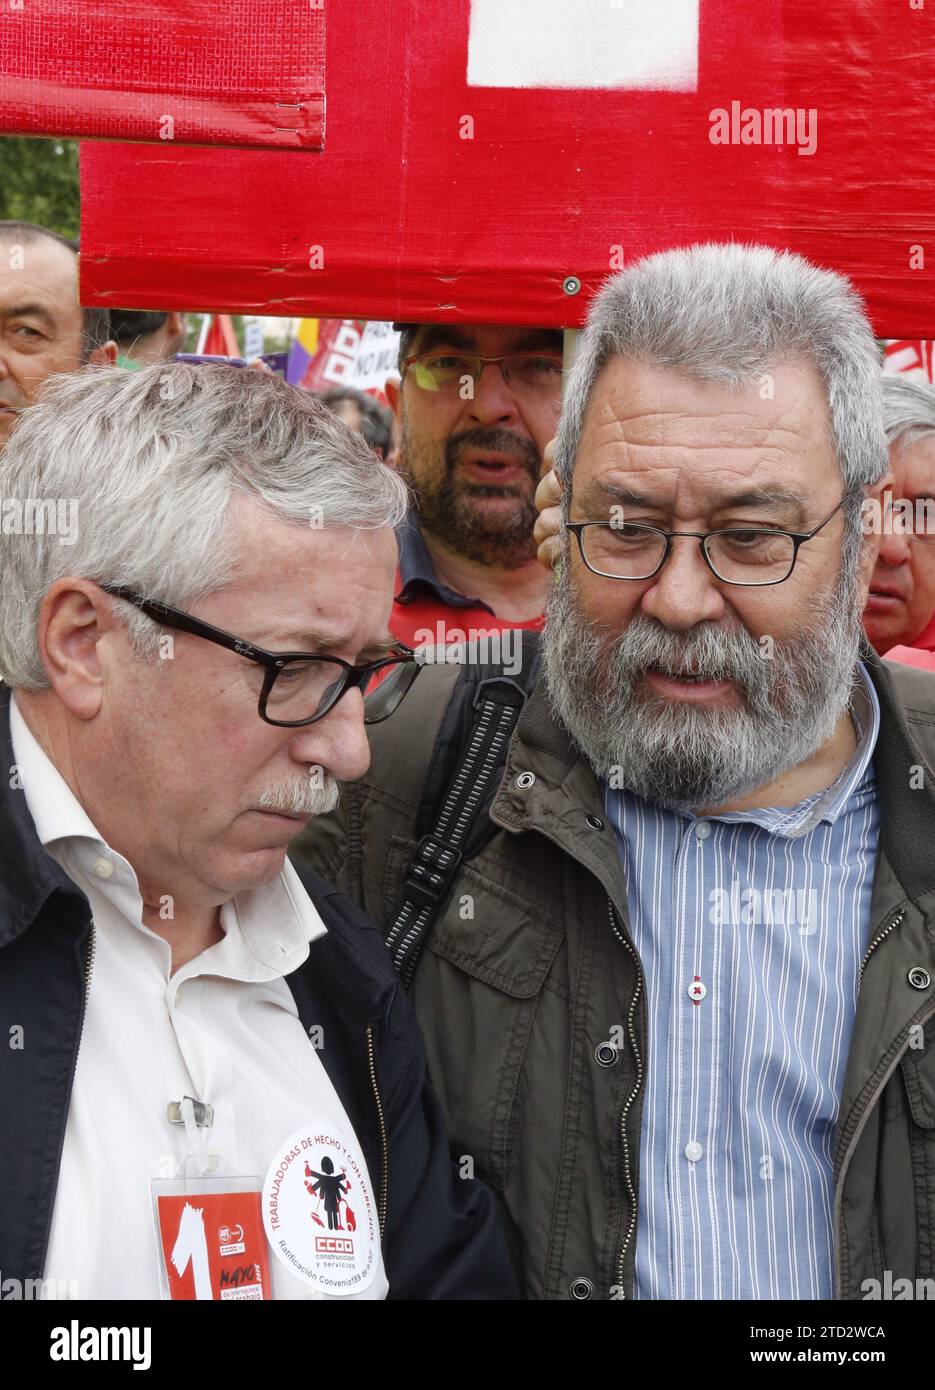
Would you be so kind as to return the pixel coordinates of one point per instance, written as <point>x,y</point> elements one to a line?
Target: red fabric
<point>221,338</point>
<point>429,622</point>
<point>911,656</point>
<point>165,71</point>
<point>415,222</point>
<point>921,653</point>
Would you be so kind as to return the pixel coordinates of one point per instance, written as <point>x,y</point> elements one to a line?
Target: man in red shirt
<point>899,617</point>
<point>475,406</point>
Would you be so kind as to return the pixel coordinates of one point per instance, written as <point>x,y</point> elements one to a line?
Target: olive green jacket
<point>530,966</point>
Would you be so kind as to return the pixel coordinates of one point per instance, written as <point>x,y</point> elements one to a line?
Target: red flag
<point>219,339</point>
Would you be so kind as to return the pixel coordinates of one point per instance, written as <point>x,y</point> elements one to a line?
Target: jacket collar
<point>417,577</point>
<point>28,876</point>
<point>566,789</point>
<point>350,963</point>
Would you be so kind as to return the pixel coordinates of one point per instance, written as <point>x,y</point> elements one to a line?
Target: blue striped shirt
<point>751,927</point>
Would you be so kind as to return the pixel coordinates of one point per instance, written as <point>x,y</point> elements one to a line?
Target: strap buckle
<point>433,867</point>
<point>509,692</point>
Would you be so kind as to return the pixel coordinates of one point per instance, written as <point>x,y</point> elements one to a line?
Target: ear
<point>105,356</point>
<point>74,616</point>
<point>873,509</point>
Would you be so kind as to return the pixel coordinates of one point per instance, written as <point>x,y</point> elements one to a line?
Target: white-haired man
<point>679,1004</point>
<point>204,1046</point>
<point>899,617</point>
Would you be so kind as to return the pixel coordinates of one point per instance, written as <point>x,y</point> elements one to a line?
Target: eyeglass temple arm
<point>174,617</point>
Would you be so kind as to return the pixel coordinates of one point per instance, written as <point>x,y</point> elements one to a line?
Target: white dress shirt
<point>223,1029</point>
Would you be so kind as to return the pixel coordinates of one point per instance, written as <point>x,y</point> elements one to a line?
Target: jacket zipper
<point>383,1198</point>
<point>628,1176</point>
<point>889,925</point>
<point>894,922</point>
<point>88,968</point>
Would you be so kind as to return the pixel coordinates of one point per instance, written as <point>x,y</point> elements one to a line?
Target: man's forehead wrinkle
<point>54,302</point>
<point>18,289</point>
<point>727,483</point>
<point>660,428</point>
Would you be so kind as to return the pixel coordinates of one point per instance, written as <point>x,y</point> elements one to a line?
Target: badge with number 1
<point>211,1238</point>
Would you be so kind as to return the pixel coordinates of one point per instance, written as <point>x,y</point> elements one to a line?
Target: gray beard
<point>685,756</point>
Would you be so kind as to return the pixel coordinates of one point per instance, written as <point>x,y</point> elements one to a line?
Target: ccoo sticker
<point>319,1213</point>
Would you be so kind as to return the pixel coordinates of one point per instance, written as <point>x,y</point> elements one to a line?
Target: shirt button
<point>703,829</point>
<point>696,991</point>
<point>103,868</point>
<point>693,1151</point>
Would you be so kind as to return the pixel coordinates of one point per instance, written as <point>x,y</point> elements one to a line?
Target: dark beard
<point>684,756</point>
<point>445,509</point>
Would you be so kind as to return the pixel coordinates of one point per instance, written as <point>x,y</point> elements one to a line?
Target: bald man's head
<point>43,329</point>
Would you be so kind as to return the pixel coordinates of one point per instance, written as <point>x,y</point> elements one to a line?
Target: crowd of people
<point>611,971</point>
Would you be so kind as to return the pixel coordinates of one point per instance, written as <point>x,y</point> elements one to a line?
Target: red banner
<point>165,71</point>
<point>493,162</point>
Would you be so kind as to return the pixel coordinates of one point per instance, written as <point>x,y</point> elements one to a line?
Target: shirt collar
<point>828,805</point>
<point>56,812</point>
<point>277,920</point>
<point>417,573</point>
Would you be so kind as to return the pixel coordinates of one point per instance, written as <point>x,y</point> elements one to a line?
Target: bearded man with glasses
<point>476,406</point>
<point>680,1002</point>
<point>188,674</point>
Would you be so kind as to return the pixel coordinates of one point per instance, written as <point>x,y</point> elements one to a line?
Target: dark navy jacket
<point>441,1233</point>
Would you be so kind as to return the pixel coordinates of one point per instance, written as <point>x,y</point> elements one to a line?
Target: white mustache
<point>306,798</point>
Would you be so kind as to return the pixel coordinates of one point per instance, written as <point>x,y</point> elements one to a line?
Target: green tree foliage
<point>39,182</point>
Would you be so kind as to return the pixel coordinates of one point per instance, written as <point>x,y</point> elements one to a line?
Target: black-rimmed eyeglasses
<point>749,555</point>
<point>298,687</point>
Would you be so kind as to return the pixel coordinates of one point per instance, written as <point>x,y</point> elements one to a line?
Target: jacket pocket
<point>489,1003</point>
<point>496,935</point>
<point>918,1067</point>
<point>918,1072</point>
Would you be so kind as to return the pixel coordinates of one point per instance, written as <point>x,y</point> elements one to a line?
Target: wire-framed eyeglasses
<point>747,555</point>
<point>533,374</point>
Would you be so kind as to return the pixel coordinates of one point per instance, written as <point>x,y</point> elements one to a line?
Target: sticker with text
<point>319,1211</point>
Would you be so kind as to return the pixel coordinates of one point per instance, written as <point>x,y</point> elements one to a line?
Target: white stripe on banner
<point>649,44</point>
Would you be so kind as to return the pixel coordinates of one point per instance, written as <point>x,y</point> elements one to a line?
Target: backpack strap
<point>467,764</point>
